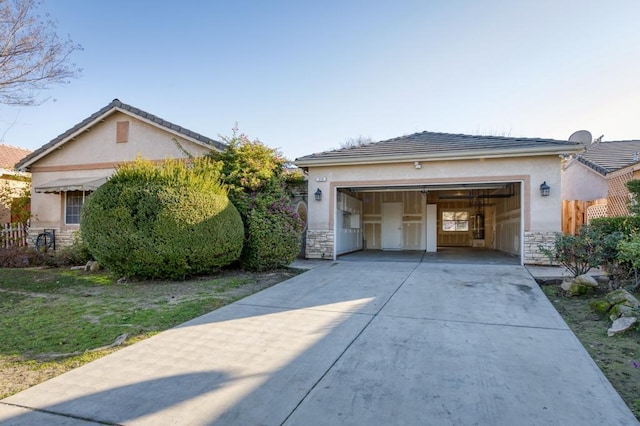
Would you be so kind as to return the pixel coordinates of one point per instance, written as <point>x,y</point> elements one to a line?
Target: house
<point>71,166</point>
<point>601,173</point>
<point>12,182</point>
<point>431,190</point>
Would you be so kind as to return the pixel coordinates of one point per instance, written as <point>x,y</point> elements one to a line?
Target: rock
<point>566,284</point>
<point>622,296</point>
<point>622,310</point>
<point>621,325</point>
<point>603,279</point>
<point>92,266</point>
<point>586,280</point>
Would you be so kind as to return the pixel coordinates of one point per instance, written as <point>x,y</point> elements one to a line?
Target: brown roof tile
<point>10,155</point>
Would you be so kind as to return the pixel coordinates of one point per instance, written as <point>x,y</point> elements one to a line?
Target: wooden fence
<point>13,235</point>
<point>574,214</point>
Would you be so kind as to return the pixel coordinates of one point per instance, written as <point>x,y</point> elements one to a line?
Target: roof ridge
<point>117,104</point>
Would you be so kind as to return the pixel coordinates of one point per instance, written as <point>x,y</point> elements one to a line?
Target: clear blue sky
<point>304,76</point>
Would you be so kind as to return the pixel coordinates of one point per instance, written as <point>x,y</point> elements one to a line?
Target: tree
<point>32,56</point>
<point>354,142</point>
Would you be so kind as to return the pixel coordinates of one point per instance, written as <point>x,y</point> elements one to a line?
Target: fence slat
<point>13,235</point>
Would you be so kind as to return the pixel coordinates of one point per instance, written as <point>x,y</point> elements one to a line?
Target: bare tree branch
<point>32,56</point>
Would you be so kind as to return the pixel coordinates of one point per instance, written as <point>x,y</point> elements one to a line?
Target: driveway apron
<point>351,343</point>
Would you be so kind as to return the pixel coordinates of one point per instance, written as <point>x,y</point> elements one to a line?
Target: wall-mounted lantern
<point>545,189</point>
<point>318,195</point>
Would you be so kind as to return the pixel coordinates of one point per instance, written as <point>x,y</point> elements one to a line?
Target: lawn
<point>618,357</point>
<point>54,320</point>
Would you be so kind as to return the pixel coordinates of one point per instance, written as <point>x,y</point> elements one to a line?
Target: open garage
<point>433,191</point>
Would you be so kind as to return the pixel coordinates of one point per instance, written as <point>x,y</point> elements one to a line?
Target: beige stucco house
<point>71,166</point>
<point>12,182</point>
<point>427,191</point>
<point>601,173</point>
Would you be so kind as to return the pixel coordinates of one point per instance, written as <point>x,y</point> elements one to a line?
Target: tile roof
<point>436,144</point>
<point>117,105</point>
<point>607,157</point>
<point>10,155</point>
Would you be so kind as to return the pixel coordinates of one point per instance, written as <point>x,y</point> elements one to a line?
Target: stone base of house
<point>62,238</point>
<point>532,243</point>
<point>319,244</point>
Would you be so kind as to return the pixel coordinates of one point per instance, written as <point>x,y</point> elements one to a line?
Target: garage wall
<point>412,218</point>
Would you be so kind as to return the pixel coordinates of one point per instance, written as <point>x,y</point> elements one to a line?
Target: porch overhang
<point>71,184</point>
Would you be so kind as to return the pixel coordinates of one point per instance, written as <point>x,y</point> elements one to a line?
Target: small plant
<point>629,253</point>
<point>578,253</point>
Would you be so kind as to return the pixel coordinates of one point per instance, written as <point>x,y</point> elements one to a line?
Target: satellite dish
<point>581,136</point>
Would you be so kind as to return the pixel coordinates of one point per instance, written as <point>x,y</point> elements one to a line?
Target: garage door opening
<point>435,218</point>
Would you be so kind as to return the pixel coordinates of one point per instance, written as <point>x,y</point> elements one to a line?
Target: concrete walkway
<point>349,343</point>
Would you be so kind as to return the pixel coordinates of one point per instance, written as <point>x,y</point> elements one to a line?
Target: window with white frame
<point>453,221</point>
<point>73,204</point>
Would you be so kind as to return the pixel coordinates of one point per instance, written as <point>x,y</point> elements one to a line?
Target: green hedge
<point>167,221</point>
<point>628,225</point>
<point>273,233</point>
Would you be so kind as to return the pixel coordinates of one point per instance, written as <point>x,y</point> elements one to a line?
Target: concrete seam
<point>70,416</point>
<point>479,323</point>
<point>349,345</point>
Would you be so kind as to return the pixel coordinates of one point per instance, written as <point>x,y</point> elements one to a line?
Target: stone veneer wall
<point>532,241</point>
<point>63,238</point>
<point>319,244</point>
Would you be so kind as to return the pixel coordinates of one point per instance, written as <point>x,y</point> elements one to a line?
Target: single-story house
<point>429,190</point>
<point>71,166</point>
<point>12,182</point>
<point>601,172</point>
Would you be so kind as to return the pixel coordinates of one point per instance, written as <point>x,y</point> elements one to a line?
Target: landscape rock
<point>622,296</point>
<point>586,280</point>
<point>621,325</point>
<point>622,310</point>
<point>566,284</point>
<point>92,266</point>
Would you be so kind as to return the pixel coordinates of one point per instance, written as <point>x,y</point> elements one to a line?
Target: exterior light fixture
<point>318,195</point>
<point>545,189</point>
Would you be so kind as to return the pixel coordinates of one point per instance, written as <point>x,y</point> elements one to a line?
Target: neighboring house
<point>71,166</point>
<point>11,181</point>
<point>430,190</point>
<point>601,172</point>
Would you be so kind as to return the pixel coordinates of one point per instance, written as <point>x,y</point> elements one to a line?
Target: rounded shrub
<point>273,233</point>
<point>166,221</point>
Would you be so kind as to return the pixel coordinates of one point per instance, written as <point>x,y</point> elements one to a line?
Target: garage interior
<point>478,217</point>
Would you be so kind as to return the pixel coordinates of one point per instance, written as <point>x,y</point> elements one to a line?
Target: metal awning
<point>71,184</point>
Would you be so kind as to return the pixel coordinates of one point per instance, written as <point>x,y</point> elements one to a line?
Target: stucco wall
<point>580,182</point>
<point>95,154</point>
<point>541,214</point>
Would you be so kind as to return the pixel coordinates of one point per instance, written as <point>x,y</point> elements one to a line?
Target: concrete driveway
<point>349,343</point>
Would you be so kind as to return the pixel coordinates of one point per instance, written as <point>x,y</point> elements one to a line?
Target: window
<point>455,221</point>
<point>73,205</point>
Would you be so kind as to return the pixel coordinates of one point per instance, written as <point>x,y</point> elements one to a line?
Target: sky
<point>306,76</point>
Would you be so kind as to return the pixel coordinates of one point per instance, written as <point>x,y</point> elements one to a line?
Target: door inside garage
<point>475,215</point>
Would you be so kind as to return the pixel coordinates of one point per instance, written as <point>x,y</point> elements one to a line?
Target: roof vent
<point>581,136</point>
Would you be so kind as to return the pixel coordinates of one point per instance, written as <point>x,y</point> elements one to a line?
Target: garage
<point>433,191</point>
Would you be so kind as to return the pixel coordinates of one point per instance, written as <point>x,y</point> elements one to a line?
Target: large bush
<point>257,180</point>
<point>166,221</point>
<point>273,231</point>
